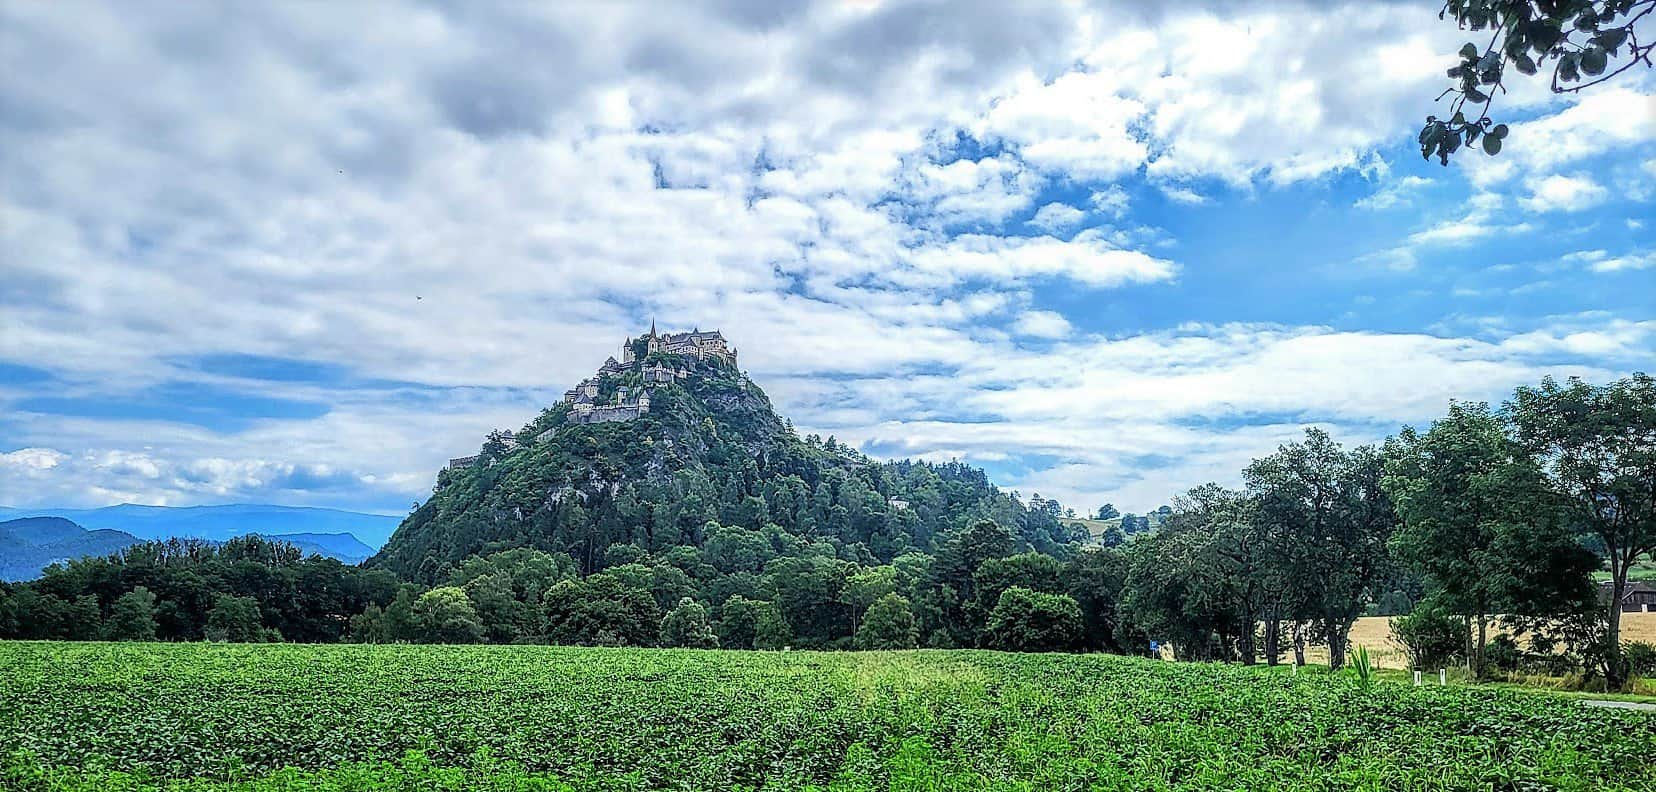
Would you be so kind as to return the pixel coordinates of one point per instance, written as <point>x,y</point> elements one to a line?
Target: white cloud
<point>1564,194</point>
<point>1394,194</point>
<point>465,206</point>
<point>1602,261</point>
<point>1112,200</point>
<point>989,189</point>
<point>1183,195</point>
<point>1087,259</point>
<point>1043,324</point>
<point>1618,117</point>
<point>1056,218</point>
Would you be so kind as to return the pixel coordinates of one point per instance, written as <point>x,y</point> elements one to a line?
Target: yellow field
<point>1374,632</point>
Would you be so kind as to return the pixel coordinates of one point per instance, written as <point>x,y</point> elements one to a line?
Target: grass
<point>202,716</point>
<point>1644,568</point>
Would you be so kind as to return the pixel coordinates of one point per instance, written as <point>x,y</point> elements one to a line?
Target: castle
<point>695,343</point>
<point>588,400</point>
<point>625,406</point>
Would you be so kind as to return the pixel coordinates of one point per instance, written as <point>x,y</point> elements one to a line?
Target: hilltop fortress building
<point>695,343</point>
<point>587,402</point>
<point>583,398</point>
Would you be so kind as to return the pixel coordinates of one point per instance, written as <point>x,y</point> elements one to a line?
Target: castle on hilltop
<point>695,343</point>
<point>600,399</point>
<point>584,399</point>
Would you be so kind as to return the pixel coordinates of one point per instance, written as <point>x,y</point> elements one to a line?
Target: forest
<point>756,538</point>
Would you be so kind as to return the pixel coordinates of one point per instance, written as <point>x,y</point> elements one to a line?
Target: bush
<point>1431,637</point>
<point>1503,654</point>
<point>1641,658</point>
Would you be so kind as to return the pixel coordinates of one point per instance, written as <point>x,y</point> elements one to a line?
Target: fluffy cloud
<point>1564,194</point>
<point>1043,324</point>
<point>894,208</point>
<point>1057,217</point>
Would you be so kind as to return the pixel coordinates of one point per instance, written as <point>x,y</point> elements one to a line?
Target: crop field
<point>205,716</point>
<point>1374,632</point>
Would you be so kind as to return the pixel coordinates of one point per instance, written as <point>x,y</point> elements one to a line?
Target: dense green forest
<point>708,522</point>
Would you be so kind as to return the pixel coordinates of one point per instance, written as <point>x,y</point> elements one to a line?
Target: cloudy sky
<point>302,253</point>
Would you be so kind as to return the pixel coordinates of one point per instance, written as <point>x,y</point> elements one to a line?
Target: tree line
<point>1487,514</point>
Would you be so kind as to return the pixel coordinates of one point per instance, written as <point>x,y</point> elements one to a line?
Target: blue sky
<point>1106,251</point>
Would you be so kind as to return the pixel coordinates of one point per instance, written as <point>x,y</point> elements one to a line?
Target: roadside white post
<point>1417,679</point>
<point>1443,676</point>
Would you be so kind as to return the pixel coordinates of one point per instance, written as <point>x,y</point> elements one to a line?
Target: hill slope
<point>710,466</point>
<point>30,544</point>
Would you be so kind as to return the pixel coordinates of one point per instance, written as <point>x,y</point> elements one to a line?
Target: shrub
<point>1641,658</point>
<point>1432,637</point>
<point>1503,654</point>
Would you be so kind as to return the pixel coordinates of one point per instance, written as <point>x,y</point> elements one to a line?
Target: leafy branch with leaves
<point>1584,42</point>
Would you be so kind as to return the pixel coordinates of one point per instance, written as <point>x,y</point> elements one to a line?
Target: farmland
<point>116,716</point>
<point>1374,632</point>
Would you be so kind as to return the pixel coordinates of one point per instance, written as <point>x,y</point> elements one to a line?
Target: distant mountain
<point>224,522</point>
<point>342,546</point>
<point>30,544</point>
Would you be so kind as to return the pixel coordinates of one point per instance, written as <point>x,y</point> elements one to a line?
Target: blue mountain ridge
<point>30,544</point>
<point>224,522</point>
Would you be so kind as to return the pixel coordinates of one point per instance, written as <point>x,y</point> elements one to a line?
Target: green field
<point>118,716</point>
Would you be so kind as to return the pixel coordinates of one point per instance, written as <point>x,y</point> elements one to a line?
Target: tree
<point>738,622</point>
<point>686,626</point>
<point>954,566</point>
<point>1033,571</point>
<point>132,617</point>
<point>865,587</point>
<point>234,619</point>
<point>400,624</point>
<point>1476,517</point>
<point>370,626</point>
<point>445,615</point>
<point>79,619</point>
<point>1031,621</point>
<point>601,610</point>
<point>889,624</point>
<point>1107,512</point>
<point>1585,42</point>
<point>1597,446</point>
<point>504,617</point>
<point>1322,522</point>
<point>808,593</point>
<point>1096,579</point>
<point>770,630</point>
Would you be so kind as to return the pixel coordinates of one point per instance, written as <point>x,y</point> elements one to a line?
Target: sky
<point>303,253</point>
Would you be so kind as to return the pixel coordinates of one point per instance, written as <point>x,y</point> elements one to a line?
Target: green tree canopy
<point>1033,621</point>
<point>1597,446</point>
<point>445,615</point>
<point>889,624</point>
<point>686,626</point>
<point>132,616</point>
<point>1476,515</point>
<point>235,619</point>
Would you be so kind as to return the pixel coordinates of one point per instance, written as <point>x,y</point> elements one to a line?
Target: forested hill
<point>710,475</point>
